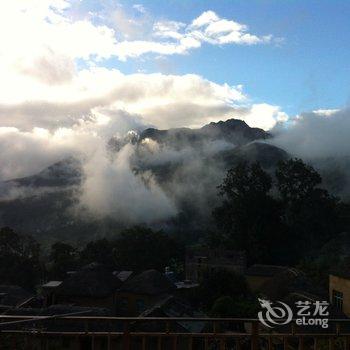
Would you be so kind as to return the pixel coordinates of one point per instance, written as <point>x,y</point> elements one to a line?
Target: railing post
<point>92,342</point>
<point>109,345</point>
<point>175,342</point>
<point>126,336</point>
<point>301,343</point>
<point>270,343</point>
<point>190,343</point>
<point>255,336</point>
<point>347,343</point>
<point>206,343</point>
<point>222,344</point>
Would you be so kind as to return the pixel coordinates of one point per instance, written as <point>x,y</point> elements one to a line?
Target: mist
<point>322,139</point>
<point>112,189</point>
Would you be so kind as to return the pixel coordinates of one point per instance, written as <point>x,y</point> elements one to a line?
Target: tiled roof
<point>265,270</point>
<point>150,282</point>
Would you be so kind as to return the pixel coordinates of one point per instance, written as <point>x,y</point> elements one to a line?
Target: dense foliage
<point>277,221</point>
<point>19,259</point>
<point>137,249</point>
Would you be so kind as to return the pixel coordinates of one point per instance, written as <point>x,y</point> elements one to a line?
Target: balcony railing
<point>175,333</point>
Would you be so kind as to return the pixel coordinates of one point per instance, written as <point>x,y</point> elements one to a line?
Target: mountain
<point>188,164</point>
<point>267,155</point>
<point>233,131</point>
<point>66,172</point>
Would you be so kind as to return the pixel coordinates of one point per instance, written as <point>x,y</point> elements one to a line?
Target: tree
<point>244,181</point>
<point>19,259</point>
<point>276,229</point>
<point>100,251</point>
<point>63,257</point>
<point>311,213</point>
<point>141,248</point>
<point>296,180</point>
<point>249,217</point>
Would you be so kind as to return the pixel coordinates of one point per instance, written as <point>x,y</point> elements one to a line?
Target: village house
<point>93,286</point>
<point>203,260</point>
<point>142,291</point>
<point>13,296</point>
<point>48,290</point>
<point>339,291</point>
<point>257,275</point>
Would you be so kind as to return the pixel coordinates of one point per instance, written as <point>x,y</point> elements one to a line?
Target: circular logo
<point>274,315</point>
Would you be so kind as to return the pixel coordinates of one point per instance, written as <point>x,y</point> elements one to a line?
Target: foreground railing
<point>97,333</point>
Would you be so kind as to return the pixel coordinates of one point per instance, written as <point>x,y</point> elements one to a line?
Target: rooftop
<point>150,282</point>
<point>52,284</point>
<point>95,281</point>
<point>265,270</point>
<point>11,295</point>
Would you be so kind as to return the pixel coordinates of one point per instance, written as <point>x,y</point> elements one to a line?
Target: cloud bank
<point>61,97</point>
<point>322,133</point>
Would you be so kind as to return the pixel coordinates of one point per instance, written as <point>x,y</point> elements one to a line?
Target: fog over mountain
<point>146,177</point>
<point>150,176</point>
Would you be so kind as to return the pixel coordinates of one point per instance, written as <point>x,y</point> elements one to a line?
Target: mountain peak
<point>234,131</point>
<point>229,122</point>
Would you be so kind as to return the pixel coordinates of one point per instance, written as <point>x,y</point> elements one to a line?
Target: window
<point>337,299</point>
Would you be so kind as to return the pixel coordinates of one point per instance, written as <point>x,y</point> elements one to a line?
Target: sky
<point>75,72</point>
<point>307,69</point>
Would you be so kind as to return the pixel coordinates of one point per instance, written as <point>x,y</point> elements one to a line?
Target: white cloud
<point>215,30</point>
<point>326,112</point>
<point>42,40</point>
<point>316,135</point>
<point>205,18</point>
<point>42,26</point>
<point>99,103</point>
<point>181,38</point>
<point>141,34</point>
<point>111,189</point>
<point>92,91</point>
<point>265,116</point>
<point>140,8</point>
<point>55,94</point>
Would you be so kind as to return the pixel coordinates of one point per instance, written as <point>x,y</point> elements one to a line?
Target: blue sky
<point>309,70</point>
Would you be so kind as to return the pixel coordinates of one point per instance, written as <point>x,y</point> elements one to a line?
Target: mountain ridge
<point>48,214</point>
